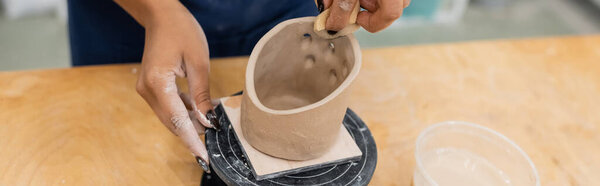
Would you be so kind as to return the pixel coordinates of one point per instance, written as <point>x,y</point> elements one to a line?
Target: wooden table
<point>87,126</point>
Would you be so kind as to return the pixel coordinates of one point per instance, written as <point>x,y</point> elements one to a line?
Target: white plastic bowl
<point>461,153</point>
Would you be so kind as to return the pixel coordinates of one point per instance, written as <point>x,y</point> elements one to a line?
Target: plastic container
<point>461,153</point>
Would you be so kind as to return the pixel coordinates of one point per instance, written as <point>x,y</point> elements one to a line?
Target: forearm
<point>148,12</point>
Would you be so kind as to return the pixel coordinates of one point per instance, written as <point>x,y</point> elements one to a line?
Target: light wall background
<point>33,33</point>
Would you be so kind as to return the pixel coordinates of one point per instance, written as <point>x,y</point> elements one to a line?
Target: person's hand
<point>378,14</point>
<point>175,45</point>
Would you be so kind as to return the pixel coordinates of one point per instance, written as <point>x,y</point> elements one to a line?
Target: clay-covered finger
<point>188,134</point>
<point>194,114</point>
<point>198,72</point>
<point>200,129</point>
<point>161,93</point>
<point>202,106</point>
<point>339,16</point>
<point>180,121</point>
<point>189,105</point>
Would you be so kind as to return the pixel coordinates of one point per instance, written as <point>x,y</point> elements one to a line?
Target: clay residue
<point>345,5</point>
<point>233,102</point>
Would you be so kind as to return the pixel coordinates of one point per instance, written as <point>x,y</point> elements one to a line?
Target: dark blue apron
<point>101,32</point>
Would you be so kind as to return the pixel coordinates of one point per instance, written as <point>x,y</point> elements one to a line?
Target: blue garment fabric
<point>101,32</point>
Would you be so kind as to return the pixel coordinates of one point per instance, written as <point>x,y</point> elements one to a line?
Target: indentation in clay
<point>331,47</point>
<point>306,41</point>
<point>345,71</point>
<point>309,62</point>
<point>332,77</point>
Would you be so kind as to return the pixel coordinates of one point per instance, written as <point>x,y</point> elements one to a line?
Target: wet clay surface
<point>297,68</point>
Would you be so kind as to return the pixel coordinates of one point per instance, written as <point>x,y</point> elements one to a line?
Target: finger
<point>369,5</point>
<point>189,105</point>
<point>340,14</point>
<point>327,4</point>
<point>186,101</point>
<point>406,3</point>
<point>189,135</point>
<point>198,73</point>
<point>320,5</point>
<point>199,128</point>
<point>181,122</point>
<point>160,91</point>
<point>385,15</point>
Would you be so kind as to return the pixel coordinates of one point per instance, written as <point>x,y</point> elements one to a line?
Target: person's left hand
<point>176,46</point>
<point>379,14</point>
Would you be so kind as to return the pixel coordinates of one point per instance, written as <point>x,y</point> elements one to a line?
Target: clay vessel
<point>296,91</point>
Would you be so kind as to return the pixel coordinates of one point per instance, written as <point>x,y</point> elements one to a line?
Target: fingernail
<point>320,5</point>
<point>212,117</point>
<point>332,32</point>
<point>204,119</point>
<point>203,164</point>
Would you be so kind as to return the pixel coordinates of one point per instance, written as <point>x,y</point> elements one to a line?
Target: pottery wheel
<point>230,165</point>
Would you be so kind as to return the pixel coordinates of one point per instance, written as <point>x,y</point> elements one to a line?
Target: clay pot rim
<point>256,52</point>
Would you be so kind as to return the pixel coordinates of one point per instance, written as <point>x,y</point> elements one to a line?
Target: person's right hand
<point>175,45</point>
<point>378,14</point>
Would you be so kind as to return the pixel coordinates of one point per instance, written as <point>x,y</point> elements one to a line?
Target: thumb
<point>340,15</point>
<point>198,82</point>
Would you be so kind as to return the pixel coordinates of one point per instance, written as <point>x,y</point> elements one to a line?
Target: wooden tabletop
<point>88,126</point>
